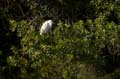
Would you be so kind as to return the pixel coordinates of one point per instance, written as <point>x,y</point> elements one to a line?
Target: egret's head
<point>51,21</point>
<point>54,19</point>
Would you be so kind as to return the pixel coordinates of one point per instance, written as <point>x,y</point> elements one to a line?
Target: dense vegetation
<point>84,44</point>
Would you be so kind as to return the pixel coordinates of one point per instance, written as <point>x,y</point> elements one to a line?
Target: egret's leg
<point>50,37</point>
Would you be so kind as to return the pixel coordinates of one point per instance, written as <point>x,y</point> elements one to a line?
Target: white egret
<point>46,26</point>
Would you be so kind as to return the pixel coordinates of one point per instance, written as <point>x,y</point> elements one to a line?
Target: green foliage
<point>85,47</point>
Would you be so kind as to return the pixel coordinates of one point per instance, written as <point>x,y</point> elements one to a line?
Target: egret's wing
<point>44,28</point>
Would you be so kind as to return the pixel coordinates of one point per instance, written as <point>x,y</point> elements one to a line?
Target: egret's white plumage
<point>47,25</point>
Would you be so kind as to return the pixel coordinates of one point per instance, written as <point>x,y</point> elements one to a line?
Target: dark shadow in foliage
<point>16,9</point>
<point>67,10</point>
<point>111,61</point>
<point>7,39</point>
<point>113,17</point>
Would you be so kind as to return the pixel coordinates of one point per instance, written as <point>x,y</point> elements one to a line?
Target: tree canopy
<point>84,44</point>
